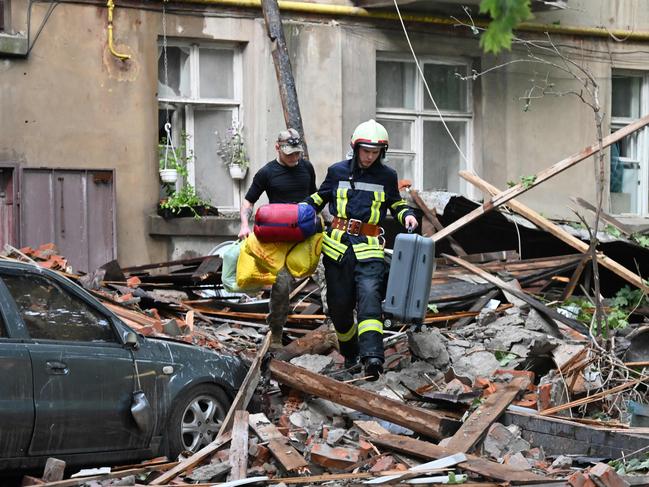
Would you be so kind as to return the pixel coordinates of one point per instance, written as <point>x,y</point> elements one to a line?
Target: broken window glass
<point>51,313</point>
<point>175,82</point>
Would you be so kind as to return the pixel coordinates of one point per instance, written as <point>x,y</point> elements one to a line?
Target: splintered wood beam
<point>537,305</point>
<point>417,419</point>
<point>240,402</point>
<point>544,175</point>
<point>489,411</point>
<point>479,465</point>
<point>318,341</point>
<point>562,235</point>
<point>278,444</point>
<point>239,447</point>
<point>437,225</point>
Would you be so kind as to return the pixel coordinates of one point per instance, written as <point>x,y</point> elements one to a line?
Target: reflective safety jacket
<point>373,191</point>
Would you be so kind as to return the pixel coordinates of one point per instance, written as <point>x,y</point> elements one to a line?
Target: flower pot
<point>169,175</point>
<point>237,172</point>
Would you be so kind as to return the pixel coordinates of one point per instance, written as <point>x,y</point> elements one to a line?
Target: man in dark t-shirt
<point>287,179</point>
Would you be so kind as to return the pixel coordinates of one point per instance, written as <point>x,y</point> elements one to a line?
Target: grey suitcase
<point>411,271</point>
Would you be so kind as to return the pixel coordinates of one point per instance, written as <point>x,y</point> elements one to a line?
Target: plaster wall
<point>612,14</point>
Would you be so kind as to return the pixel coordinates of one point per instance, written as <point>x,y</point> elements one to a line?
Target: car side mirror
<point>131,340</point>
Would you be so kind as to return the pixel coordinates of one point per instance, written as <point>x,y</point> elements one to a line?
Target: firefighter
<point>359,192</point>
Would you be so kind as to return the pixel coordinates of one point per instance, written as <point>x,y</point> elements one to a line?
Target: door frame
<point>15,180</point>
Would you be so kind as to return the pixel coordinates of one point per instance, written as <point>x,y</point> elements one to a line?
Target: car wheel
<point>196,418</point>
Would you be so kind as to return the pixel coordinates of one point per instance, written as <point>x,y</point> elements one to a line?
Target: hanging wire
<point>430,95</point>
<point>169,146</point>
<point>164,60</point>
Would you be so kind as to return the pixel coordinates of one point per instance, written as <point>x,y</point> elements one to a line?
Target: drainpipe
<point>349,11</point>
<point>111,47</point>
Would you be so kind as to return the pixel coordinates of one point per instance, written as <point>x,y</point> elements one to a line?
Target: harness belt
<point>356,227</point>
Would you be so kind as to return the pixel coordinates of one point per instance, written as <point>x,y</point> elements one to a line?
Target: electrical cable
<point>53,5</point>
<point>430,95</point>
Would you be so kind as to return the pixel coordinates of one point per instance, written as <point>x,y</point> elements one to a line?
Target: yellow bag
<point>303,258</point>
<point>270,256</point>
<point>249,274</point>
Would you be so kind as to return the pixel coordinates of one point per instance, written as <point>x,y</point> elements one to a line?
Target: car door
<point>16,392</point>
<point>83,376</point>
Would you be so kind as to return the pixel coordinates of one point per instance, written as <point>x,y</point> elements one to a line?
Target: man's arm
<point>399,208</point>
<point>245,214</point>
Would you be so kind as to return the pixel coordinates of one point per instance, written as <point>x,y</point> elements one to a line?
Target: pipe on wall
<point>350,11</point>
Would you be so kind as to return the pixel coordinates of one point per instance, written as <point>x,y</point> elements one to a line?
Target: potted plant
<point>173,161</point>
<point>232,151</point>
<point>181,200</point>
<point>185,202</point>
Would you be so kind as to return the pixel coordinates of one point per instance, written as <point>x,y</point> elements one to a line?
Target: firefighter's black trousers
<point>356,284</point>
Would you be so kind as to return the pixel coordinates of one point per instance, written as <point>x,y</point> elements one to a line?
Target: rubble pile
<point>490,389</point>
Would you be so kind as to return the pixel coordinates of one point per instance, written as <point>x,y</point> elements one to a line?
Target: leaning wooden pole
<point>545,174</point>
<point>553,229</point>
<point>283,70</point>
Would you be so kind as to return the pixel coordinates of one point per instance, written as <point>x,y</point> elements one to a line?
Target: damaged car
<point>79,385</point>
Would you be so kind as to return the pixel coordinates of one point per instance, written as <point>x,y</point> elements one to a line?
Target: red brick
<point>337,457</point>
<point>515,373</point>
<point>365,448</point>
<point>579,479</point>
<point>383,464</point>
<point>133,281</point>
<point>544,397</point>
<point>607,475</point>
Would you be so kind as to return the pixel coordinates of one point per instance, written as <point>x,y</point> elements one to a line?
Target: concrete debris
<point>444,379</point>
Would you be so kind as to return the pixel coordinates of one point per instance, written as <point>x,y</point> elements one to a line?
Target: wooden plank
<point>476,308</point>
<point>278,444</point>
<point>565,237</point>
<point>489,411</point>
<point>432,218</point>
<point>625,229</point>
<point>208,268</point>
<point>239,447</point>
<point>54,470</point>
<point>540,177</point>
<point>318,341</point>
<point>258,316</point>
<point>479,465</point>
<point>574,279</point>
<point>540,307</point>
<point>112,475</point>
<point>158,265</point>
<point>594,397</point>
<point>422,421</point>
<point>240,402</point>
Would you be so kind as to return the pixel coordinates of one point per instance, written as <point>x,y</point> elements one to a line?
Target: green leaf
<point>506,15</point>
<point>433,308</point>
<point>504,358</point>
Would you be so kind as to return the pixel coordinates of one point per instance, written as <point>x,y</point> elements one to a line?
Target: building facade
<point>80,128</point>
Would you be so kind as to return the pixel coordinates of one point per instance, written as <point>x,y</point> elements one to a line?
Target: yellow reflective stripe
<point>337,234</point>
<point>370,255</point>
<point>398,203</point>
<point>341,202</point>
<point>361,247</point>
<point>374,242</point>
<point>329,252</point>
<point>330,242</point>
<point>345,337</point>
<point>375,210</point>
<point>317,199</point>
<point>370,325</point>
<point>400,215</point>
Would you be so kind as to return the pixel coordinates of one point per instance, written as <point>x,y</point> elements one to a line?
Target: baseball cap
<point>289,141</point>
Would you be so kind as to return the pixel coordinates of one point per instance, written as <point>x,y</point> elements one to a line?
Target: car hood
<point>199,361</point>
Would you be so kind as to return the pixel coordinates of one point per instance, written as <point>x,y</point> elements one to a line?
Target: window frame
<point>419,114</point>
<point>640,140</point>
<point>188,105</point>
